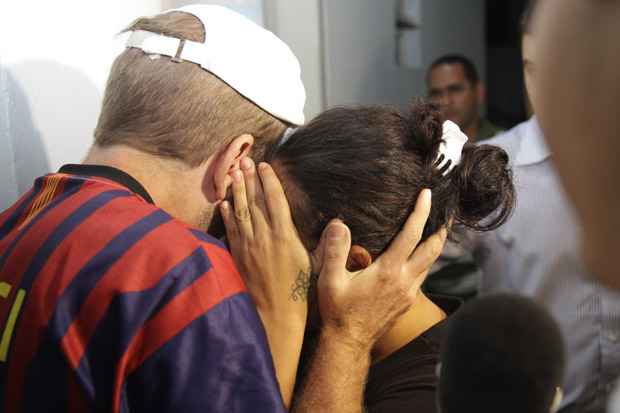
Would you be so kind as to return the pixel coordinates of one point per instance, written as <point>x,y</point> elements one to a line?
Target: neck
<point>422,315</point>
<point>473,129</point>
<point>172,184</point>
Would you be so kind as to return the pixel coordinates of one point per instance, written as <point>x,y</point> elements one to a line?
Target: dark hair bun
<point>425,125</point>
<point>484,188</point>
<point>478,193</point>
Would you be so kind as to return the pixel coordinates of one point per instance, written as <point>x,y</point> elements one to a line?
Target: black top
<point>110,173</point>
<point>406,380</point>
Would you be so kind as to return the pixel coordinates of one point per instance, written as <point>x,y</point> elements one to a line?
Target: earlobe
<point>358,259</point>
<point>227,161</point>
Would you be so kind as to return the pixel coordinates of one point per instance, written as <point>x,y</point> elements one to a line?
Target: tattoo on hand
<point>306,281</point>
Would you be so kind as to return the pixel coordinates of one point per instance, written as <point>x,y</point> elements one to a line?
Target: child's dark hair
<point>367,166</point>
<point>500,353</point>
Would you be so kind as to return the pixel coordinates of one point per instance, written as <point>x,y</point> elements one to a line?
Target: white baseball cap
<point>249,58</point>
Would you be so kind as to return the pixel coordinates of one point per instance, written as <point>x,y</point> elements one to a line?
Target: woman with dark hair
<point>367,166</point>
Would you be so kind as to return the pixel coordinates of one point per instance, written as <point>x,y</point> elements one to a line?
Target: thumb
<point>336,242</point>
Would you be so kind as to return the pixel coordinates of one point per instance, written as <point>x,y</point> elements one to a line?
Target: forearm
<point>337,376</point>
<point>285,338</point>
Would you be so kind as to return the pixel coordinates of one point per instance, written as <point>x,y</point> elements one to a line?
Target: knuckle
<point>242,214</point>
<point>416,236</point>
<point>435,249</point>
<point>272,199</point>
<point>281,237</point>
<point>263,240</point>
<point>332,253</point>
<point>403,289</point>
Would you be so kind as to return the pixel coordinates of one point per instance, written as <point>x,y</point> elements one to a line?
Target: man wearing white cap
<point>112,296</point>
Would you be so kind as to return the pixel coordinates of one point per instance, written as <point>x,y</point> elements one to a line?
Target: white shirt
<point>536,254</point>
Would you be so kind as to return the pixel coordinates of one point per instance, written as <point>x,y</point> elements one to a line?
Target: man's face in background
<point>458,99</point>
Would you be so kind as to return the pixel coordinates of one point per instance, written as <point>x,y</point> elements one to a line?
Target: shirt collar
<point>109,173</point>
<point>533,148</point>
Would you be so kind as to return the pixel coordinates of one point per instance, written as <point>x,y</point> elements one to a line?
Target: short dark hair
<point>471,73</point>
<point>367,165</point>
<point>500,353</point>
<point>526,16</point>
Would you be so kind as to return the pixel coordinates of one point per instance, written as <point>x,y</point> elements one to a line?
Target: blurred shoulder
<point>512,139</point>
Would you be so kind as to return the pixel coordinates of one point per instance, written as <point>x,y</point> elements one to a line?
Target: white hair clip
<point>450,148</point>
<point>287,134</point>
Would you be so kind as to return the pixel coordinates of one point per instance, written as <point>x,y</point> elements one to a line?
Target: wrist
<point>284,320</point>
<point>341,337</point>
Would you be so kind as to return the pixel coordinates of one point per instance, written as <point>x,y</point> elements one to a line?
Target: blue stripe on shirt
<point>78,290</point>
<point>124,318</point>
<point>220,362</point>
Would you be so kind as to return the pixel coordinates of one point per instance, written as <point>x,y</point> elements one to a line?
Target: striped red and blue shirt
<point>107,303</point>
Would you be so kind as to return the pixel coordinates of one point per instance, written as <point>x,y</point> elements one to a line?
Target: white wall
<point>298,24</point>
<point>54,61</point>
<point>55,57</point>
<point>8,180</point>
<point>360,39</point>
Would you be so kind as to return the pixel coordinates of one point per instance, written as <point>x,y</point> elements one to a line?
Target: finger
<point>416,287</point>
<point>316,257</point>
<point>408,238</point>
<point>254,192</point>
<point>229,222</point>
<point>336,250</point>
<point>275,199</point>
<point>426,254</point>
<point>241,211</point>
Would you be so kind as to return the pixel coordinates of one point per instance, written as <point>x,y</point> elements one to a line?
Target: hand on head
<point>361,306</point>
<point>264,242</point>
<point>273,262</point>
<point>356,307</point>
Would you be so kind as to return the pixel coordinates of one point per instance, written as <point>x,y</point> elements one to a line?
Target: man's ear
<point>227,161</point>
<point>358,259</point>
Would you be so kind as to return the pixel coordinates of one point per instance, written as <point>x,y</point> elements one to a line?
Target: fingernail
<point>224,205</point>
<point>263,166</point>
<point>336,231</point>
<point>246,164</point>
<point>237,175</point>
<point>427,193</point>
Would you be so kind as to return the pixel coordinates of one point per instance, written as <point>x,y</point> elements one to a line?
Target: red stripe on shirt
<point>17,264</point>
<point>220,282</point>
<point>140,268</point>
<point>60,269</point>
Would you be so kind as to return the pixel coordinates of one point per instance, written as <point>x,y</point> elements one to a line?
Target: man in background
<point>454,84</point>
